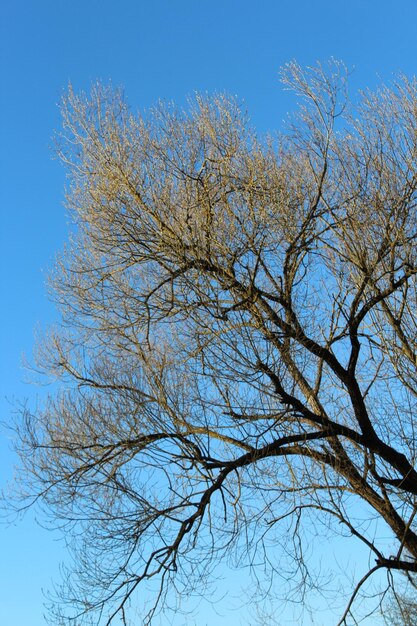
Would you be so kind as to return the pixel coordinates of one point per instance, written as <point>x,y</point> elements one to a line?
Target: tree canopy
<point>236,355</point>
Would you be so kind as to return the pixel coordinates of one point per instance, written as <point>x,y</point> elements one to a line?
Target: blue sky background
<point>160,49</point>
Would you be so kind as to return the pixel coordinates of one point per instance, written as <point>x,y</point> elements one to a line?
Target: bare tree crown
<point>238,338</point>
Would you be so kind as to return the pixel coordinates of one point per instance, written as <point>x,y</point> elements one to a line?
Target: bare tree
<point>237,352</point>
<point>402,610</point>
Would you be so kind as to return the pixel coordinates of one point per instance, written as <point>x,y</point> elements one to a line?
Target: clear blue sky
<point>160,49</point>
